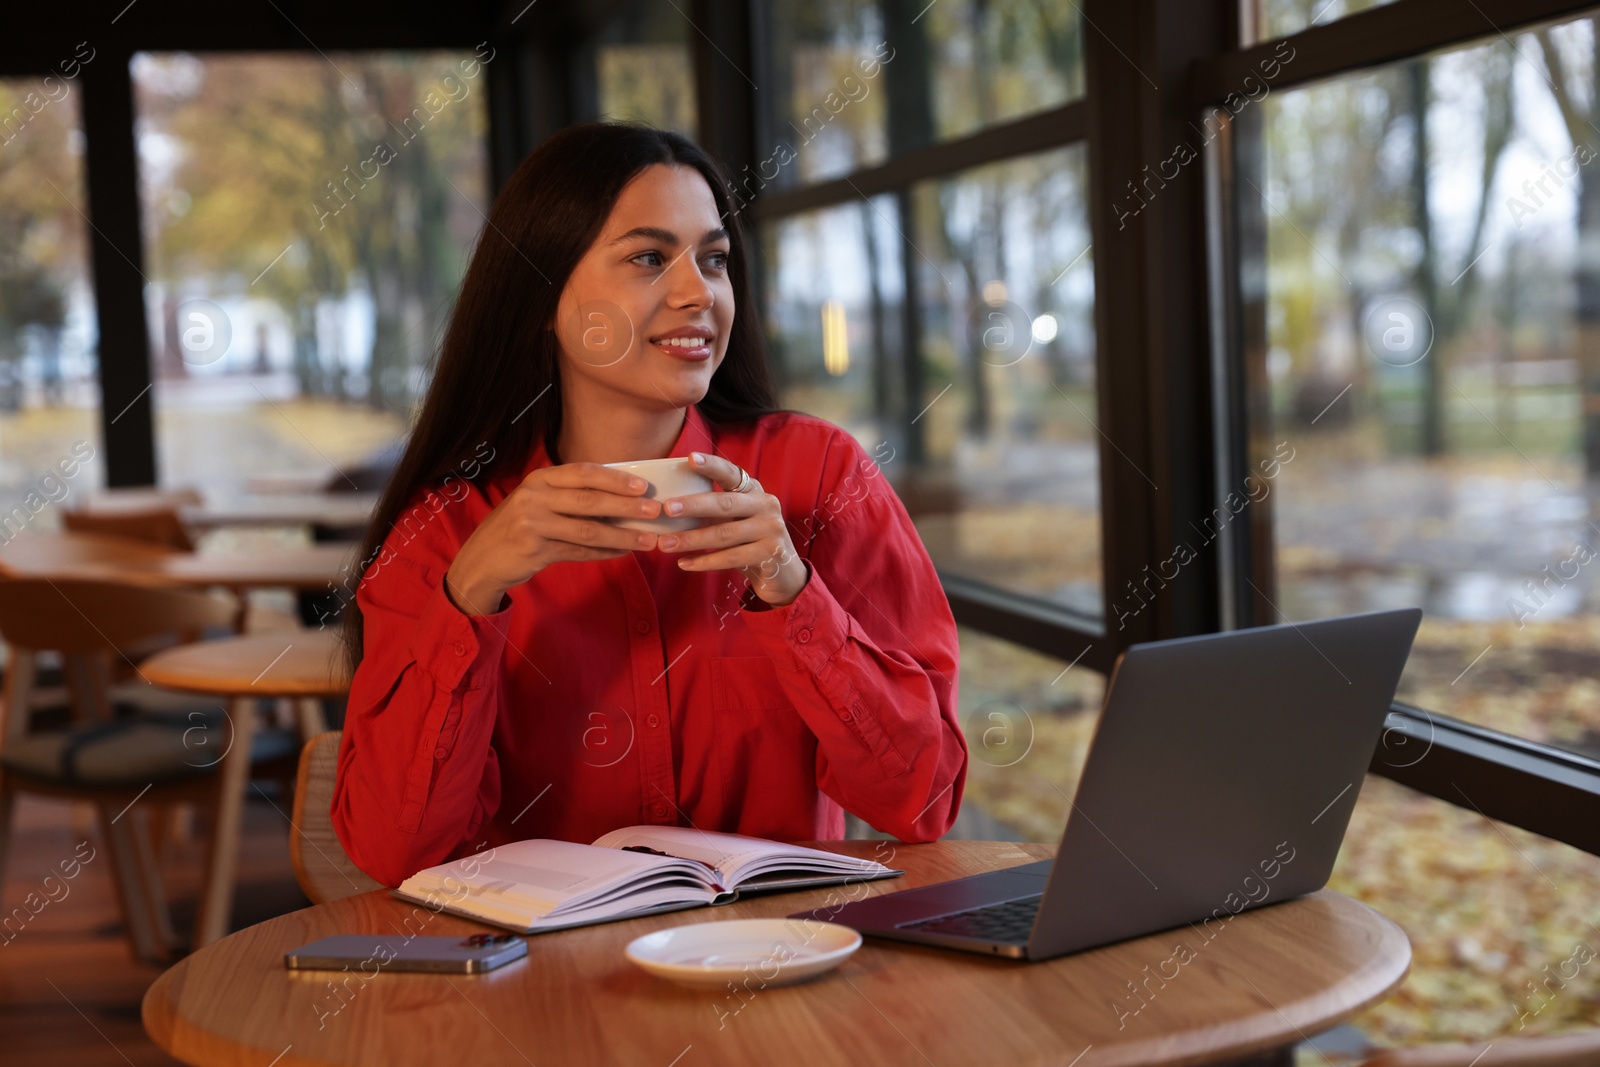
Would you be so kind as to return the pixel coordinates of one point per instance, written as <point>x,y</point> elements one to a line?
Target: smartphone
<point>439,955</point>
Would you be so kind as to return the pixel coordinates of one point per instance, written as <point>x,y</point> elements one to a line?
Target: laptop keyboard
<point>1009,922</point>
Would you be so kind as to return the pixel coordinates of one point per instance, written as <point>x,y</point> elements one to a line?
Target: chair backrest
<point>320,865</point>
<point>79,615</point>
<point>154,525</point>
<point>1578,1049</point>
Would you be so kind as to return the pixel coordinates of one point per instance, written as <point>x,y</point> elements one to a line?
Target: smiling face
<point>646,312</point>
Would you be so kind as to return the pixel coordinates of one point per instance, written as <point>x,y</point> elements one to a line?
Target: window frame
<point>1539,787</point>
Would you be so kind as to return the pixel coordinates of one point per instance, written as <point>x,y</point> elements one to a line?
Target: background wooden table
<point>293,663</point>
<point>84,555</point>
<point>88,555</point>
<point>1269,978</point>
<point>314,567</point>
<point>284,509</point>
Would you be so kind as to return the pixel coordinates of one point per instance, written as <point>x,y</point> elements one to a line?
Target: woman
<point>524,670</point>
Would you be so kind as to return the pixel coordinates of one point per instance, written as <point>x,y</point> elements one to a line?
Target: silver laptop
<point>1221,777</point>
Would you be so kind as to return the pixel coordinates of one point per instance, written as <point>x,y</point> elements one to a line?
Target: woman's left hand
<point>744,532</point>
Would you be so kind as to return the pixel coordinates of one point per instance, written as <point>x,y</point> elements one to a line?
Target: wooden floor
<point>69,990</point>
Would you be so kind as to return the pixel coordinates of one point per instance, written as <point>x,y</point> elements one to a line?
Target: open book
<point>537,885</point>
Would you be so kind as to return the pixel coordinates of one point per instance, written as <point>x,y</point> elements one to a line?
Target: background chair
<point>159,525</point>
<point>130,765</point>
<point>321,866</point>
<point>144,515</point>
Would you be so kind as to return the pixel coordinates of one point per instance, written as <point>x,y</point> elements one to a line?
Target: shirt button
<point>660,811</point>
<point>439,753</point>
<point>845,716</point>
<point>803,636</point>
<point>461,649</point>
<point>653,721</point>
<point>642,626</point>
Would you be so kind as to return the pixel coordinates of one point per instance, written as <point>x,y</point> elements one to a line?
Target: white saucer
<point>770,951</point>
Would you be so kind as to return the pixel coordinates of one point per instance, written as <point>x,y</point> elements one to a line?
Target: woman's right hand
<point>548,519</point>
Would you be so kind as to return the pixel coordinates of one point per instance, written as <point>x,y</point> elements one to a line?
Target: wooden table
<point>89,555</point>
<point>134,499</point>
<point>290,663</point>
<point>1273,976</point>
<point>303,665</point>
<point>315,568</point>
<point>284,509</point>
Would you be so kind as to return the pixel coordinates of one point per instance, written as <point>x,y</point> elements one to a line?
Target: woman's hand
<point>745,532</point>
<point>549,518</point>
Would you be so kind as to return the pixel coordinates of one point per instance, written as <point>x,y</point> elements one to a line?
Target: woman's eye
<point>719,260</point>
<point>643,255</point>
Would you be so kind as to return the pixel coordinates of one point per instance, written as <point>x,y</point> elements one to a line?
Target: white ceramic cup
<point>668,478</point>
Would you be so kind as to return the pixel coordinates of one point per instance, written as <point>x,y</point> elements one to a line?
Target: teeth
<point>685,342</point>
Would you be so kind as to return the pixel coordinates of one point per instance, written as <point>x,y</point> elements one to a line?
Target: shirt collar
<point>695,436</point>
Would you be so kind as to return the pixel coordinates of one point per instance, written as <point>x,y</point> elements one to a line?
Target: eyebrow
<point>656,233</point>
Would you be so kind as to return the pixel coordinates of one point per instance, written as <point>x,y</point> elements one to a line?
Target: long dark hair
<point>499,350</point>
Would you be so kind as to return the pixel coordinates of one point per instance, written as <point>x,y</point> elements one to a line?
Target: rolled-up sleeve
<point>417,774</point>
<point>868,655</point>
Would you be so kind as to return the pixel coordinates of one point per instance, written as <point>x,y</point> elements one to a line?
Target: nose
<point>687,285</point>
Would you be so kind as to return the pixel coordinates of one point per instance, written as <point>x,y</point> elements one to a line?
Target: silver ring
<point>744,481</point>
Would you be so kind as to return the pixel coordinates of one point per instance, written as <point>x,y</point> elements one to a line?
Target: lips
<point>689,343</point>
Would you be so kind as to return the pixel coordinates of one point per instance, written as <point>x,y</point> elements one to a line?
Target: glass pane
<point>1009,490</point>
<point>1434,371</point>
<point>644,67</point>
<point>835,300</point>
<point>1500,921</point>
<point>955,66</point>
<point>828,90</point>
<point>1028,719</point>
<point>1267,19</point>
<point>307,221</point>
<point>49,389</point>
<point>995,60</point>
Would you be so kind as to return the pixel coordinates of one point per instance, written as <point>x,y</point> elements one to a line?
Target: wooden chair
<point>128,766</point>
<point>321,866</point>
<point>155,525</point>
<point>149,515</point>
<point>1580,1049</point>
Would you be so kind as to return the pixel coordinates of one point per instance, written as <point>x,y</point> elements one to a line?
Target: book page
<point>736,856</point>
<point>540,877</point>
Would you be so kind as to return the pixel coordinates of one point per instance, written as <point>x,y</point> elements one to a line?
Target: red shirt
<point>628,691</point>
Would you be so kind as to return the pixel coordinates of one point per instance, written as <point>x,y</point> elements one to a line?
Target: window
<point>1009,491</point>
<point>1028,720</point>
<point>307,221</point>
<point>1267,19</point>
<point>950,68</point>
<point>994,61</point>
<point>1411,365</point>
<point>49,385</point>
<point>1428,363</point>
<point>981,375</point>
<point>828,87</point>
<point>643,68</point>
<point>833,320</point>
